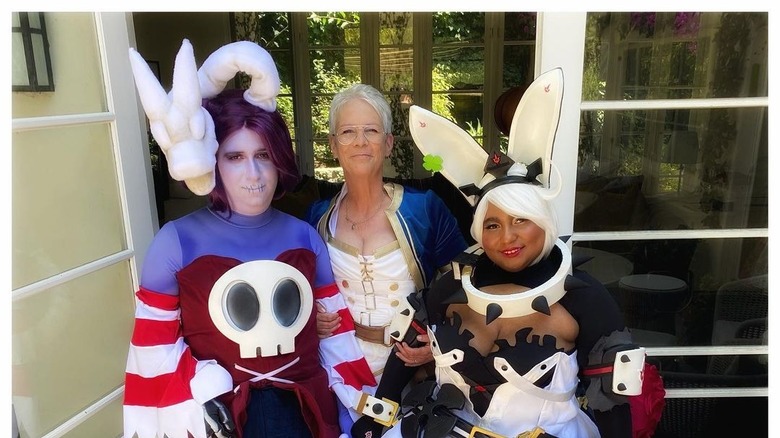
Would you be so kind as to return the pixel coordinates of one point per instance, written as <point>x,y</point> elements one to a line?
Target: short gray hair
<point>370,95</point>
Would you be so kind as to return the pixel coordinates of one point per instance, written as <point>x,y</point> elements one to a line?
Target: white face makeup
<point>247,172</point>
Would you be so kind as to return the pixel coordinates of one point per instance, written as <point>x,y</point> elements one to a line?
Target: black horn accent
<point>540,305</point>
<point>493,311</point>
<point>573,282</point>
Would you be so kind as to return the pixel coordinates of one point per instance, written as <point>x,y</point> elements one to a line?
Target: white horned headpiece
<point>179,123</point>
<point>451,150</point>
<point>448,148</point>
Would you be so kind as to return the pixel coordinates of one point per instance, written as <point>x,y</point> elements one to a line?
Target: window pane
<point>458,27</point>
<point>333,69</point>
<point>700,417</point>
<point>396,68</point>
<point>284,105</point>
<point>466,111</point>
<point>19,61</point>
<point>675,55</point>
<point>520,26</point>
<point>102,423</point>
<point>65,349</point>
<point>272,29</point>
<point>284,64</point>
<point>320,107</point>
<point>40,59</point>
<point>672,169</point>
<point>518,65</point>
<point>75,168</point>
<point>35,20</point>
<point>686,292</point>
<point>395,28</point>
<point>334,29</point>
<point>458,68</point>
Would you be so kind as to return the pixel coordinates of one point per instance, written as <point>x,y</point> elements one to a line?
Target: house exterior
<point>663,150</point>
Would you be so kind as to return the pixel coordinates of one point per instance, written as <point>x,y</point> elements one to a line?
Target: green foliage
<point>457,26</point>
<point>330,72</point>
<point>476,131</point>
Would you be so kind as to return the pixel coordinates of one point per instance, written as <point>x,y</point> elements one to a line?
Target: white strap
<point>267,376</point>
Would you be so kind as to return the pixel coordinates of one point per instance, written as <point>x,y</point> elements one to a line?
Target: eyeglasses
<point>349,134</point>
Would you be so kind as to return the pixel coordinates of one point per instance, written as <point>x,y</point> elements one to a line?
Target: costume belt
<point>377,335</point>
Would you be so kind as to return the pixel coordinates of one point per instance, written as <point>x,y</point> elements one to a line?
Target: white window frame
<point>114,31</point>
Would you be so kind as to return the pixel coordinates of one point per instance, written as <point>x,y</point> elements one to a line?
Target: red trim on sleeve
<point>347,324</point>
<point>158,300</point>
<point>326,291</point>
<point>150,332</point>
<point>356,373</point>
<point>164,390</point>
<point>596,371</point>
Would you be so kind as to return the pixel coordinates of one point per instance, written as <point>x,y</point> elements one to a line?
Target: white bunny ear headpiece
<point>464,163</point>
<point>180,125</point>
<point>451,150</point>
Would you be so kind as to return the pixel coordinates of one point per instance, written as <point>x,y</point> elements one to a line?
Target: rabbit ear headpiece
<point>180,125</point>
<point>451,150</point>
<point>464,163</point>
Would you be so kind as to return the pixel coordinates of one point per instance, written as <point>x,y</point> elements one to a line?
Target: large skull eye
<point>242,306</point>
<point>287,302</point>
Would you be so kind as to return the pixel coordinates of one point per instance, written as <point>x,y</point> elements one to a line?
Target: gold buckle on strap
<point>382,411</point>
<point>533,433</point>
<point>483,432</point>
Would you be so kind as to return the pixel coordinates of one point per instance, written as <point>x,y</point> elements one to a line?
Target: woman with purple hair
<point>225,328</point>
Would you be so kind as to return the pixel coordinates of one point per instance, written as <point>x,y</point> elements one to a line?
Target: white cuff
<point>210,380</point>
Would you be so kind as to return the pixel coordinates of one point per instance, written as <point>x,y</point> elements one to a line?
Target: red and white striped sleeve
<point>165,387</point>
<point>340,354</point>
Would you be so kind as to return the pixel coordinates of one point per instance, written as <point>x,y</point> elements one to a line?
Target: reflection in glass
<point>283,61</point>
<point>675,55</point>
<point>284,104</point>
<point>686,292</point>
<point>712,416</point>
<point>672,169</point>
<point>461,68</point>
<point>333,29</point>
<point>518,65</point>
<point>520,26</point>
<point>270,29</point>
<point>467,112</point>
<point>395,69</point>
<point>395,28</point>
<point>333,69</point>
<point>458,27</point>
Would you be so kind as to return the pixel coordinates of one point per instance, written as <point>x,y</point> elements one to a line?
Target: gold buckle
<point>477,429</point>
<point>533,433</point>
<point>364,408</point>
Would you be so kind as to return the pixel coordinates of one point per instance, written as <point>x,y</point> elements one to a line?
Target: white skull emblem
<point>261,305</point>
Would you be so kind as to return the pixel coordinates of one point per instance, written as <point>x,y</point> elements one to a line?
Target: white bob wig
<point>521,201</point>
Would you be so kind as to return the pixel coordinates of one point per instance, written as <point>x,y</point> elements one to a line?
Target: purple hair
<point>231,113</point>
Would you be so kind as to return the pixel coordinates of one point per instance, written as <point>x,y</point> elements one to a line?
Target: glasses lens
<point>373,136</point>
<point>347,136</point>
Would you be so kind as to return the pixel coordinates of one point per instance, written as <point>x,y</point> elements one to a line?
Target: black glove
<point>219,422</point>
